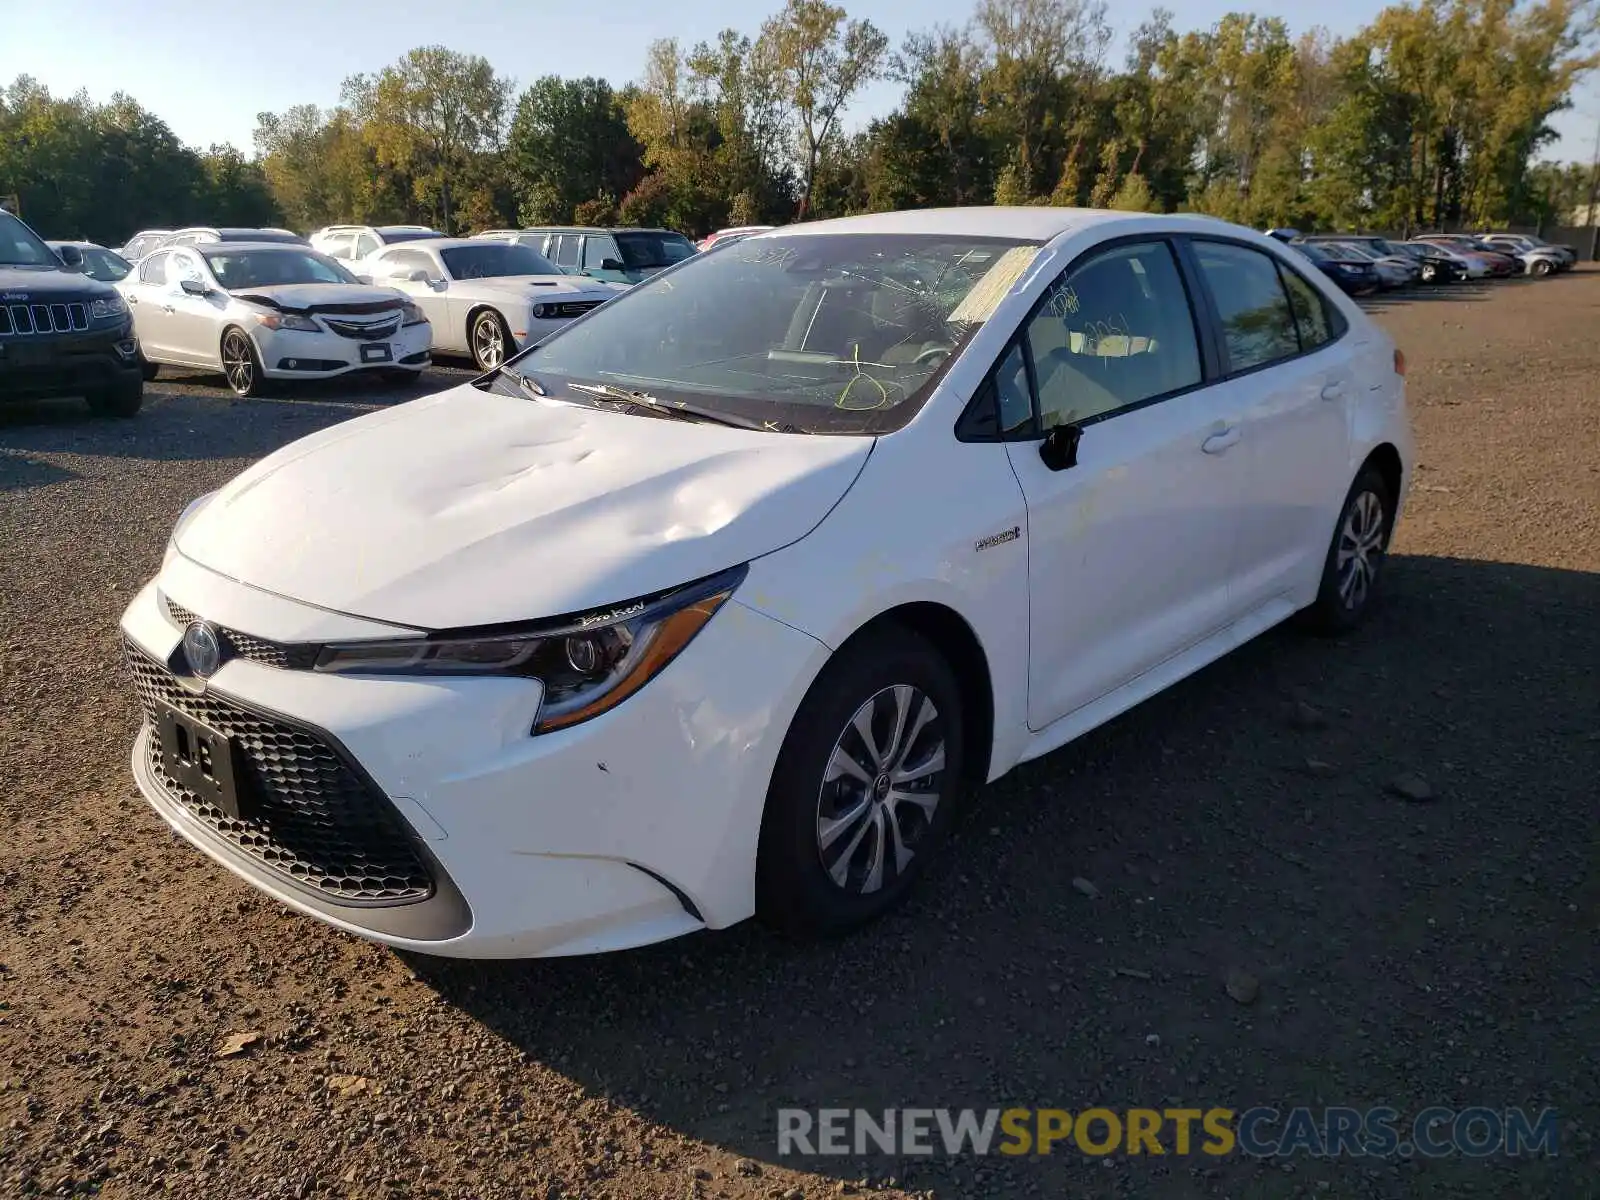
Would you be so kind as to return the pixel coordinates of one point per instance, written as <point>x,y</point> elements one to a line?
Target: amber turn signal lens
<point>1399,361</point>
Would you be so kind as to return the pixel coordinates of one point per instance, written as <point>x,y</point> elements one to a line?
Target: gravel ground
<point>1407,953</point>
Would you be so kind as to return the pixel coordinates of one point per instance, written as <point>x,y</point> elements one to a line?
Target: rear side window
<point>564,251</point>
<point>337,245</point>
<point>1112,333</point>
<point>1313,319</point>
<point>1258,324</point>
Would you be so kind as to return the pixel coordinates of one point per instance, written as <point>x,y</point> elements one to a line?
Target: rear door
<point>1129,547</point>
<point>1288,359</point>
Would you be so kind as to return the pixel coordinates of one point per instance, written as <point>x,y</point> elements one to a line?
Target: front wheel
<point>865,786</point>
<point>489,339</point>
<point>1541,268</point>
<point>1355,560</point>
<point>1430,273</point>
<point>240,364</point>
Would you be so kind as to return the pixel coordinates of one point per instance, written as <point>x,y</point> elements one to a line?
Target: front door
<point>1131,544</point>
<point>195,321</point>
<point>430,294</point>
<point>147,297</point>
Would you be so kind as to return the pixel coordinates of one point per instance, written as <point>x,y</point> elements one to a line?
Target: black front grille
<point>313,818</point>
<point>572,308</point>
<point>22,320</point>
<point>245,645</point>
<point>371,332</point>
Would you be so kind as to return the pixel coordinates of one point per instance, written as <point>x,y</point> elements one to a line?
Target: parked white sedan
<point>713,602</point>
<point>260,312</point>
<point>487,299</point>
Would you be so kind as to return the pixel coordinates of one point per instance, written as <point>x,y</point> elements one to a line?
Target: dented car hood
<point>474,508</point>
<point>308,297</point>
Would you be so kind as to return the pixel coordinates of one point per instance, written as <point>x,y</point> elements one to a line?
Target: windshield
<point>21,247</point>
<point>1357,250</point>
<point>104,265</point>
<point>492,260</point>
<point>828,333</point>
<point>644,251</point>
<point>236,269</point>
<point>1311,251</point>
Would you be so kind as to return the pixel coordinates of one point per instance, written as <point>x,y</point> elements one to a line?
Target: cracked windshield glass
<point>839,333</point>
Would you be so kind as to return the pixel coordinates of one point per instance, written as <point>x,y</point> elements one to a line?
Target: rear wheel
<point>865,786</point>
<point>1430,273</point>
<point>1354,564</point>
<point>121,399</point>
<point>489,339</point>
<point>240,364</point>
<point>1541,267</point>
<point>148,369</point>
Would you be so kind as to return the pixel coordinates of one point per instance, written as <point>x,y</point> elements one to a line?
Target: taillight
<point>1399,361</point>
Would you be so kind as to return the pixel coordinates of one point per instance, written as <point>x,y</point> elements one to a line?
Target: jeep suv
<point>61,332</point>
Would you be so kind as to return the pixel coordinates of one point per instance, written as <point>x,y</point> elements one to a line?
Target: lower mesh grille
<point>312,817</point>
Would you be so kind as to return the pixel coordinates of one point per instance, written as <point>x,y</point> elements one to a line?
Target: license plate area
<point>202,759</point>
<point>377,352</point>
<point>23,354</point>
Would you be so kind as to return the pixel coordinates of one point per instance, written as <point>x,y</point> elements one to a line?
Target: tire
<point>1430,273</point>
<point>1541,268</point>
<point>240,364</point>
<point>148,369</point>
<point>489,340</point>
<point>123,399</point>
<point>829,859</point>
<point>1353,568</point>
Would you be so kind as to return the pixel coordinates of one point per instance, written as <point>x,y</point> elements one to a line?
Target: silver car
<point>485,298</point>
<point>260,311</point>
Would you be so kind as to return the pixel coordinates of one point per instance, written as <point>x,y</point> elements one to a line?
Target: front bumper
<point>44,365</point>
<point>299,354</point>
<point>634,827</point>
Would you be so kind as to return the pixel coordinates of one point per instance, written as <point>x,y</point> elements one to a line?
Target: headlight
<point>109,306</point>
<point>540,312</point>
<point>410,314</point>
<point>282,320</point>
<point>588,664</point>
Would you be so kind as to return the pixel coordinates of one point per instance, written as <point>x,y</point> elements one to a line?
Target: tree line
<point>1434,114</point>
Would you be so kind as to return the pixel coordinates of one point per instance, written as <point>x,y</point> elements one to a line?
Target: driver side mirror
<point>71,257</point>
<point>1059,450</point>
<point>611,264</point>
<point>193,287</point>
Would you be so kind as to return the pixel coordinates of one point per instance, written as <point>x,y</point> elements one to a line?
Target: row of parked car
<point>1364,263</point>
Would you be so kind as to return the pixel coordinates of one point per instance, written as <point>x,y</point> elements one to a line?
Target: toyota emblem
<point>203,648</point>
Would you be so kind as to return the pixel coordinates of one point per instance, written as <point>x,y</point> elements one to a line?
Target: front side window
<point>494,260</point>
<point>154,268</point>
<point>1113,332</point>
<point>236,269</point>
<point>596,250</point>
<point>184,267</point>
<point>1257,323</point>
<point>337,245</point>
<point>652,251</point>
<point>400,262</point>
<point>830,333</point>
<point>104,265</point>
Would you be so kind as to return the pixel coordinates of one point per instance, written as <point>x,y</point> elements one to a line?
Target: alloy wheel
<point>488,342</point>
<point>238,363</point>
<point>1360,549</point>
<point>881,788</point>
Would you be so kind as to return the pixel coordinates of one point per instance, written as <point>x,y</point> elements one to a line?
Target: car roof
<point>590,229</point>
<point>1041,224</point>
<point>52,243</point>
<point>434,243</point>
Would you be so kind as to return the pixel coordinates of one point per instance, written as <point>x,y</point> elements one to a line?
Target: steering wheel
<point>934,354</point>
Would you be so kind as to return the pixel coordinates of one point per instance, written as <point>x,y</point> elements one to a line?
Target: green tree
<point>571,136</point>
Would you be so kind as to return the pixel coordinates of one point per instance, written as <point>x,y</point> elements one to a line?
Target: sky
<point>207,69</point>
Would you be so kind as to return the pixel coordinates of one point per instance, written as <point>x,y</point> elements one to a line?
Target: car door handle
<point>168,308</point>
<point>1218,442</point>
<point>1333,391</point>
<point>133,300</point>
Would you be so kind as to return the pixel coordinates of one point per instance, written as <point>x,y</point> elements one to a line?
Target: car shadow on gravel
<point>1071,950</point>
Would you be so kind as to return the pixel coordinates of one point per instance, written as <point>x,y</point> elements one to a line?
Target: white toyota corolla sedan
<point>715,602</point>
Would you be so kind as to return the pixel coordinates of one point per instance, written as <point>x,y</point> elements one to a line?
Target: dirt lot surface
<point>1407,953</point>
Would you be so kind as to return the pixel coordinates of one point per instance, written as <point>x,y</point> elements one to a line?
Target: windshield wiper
<point>683,412</point>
